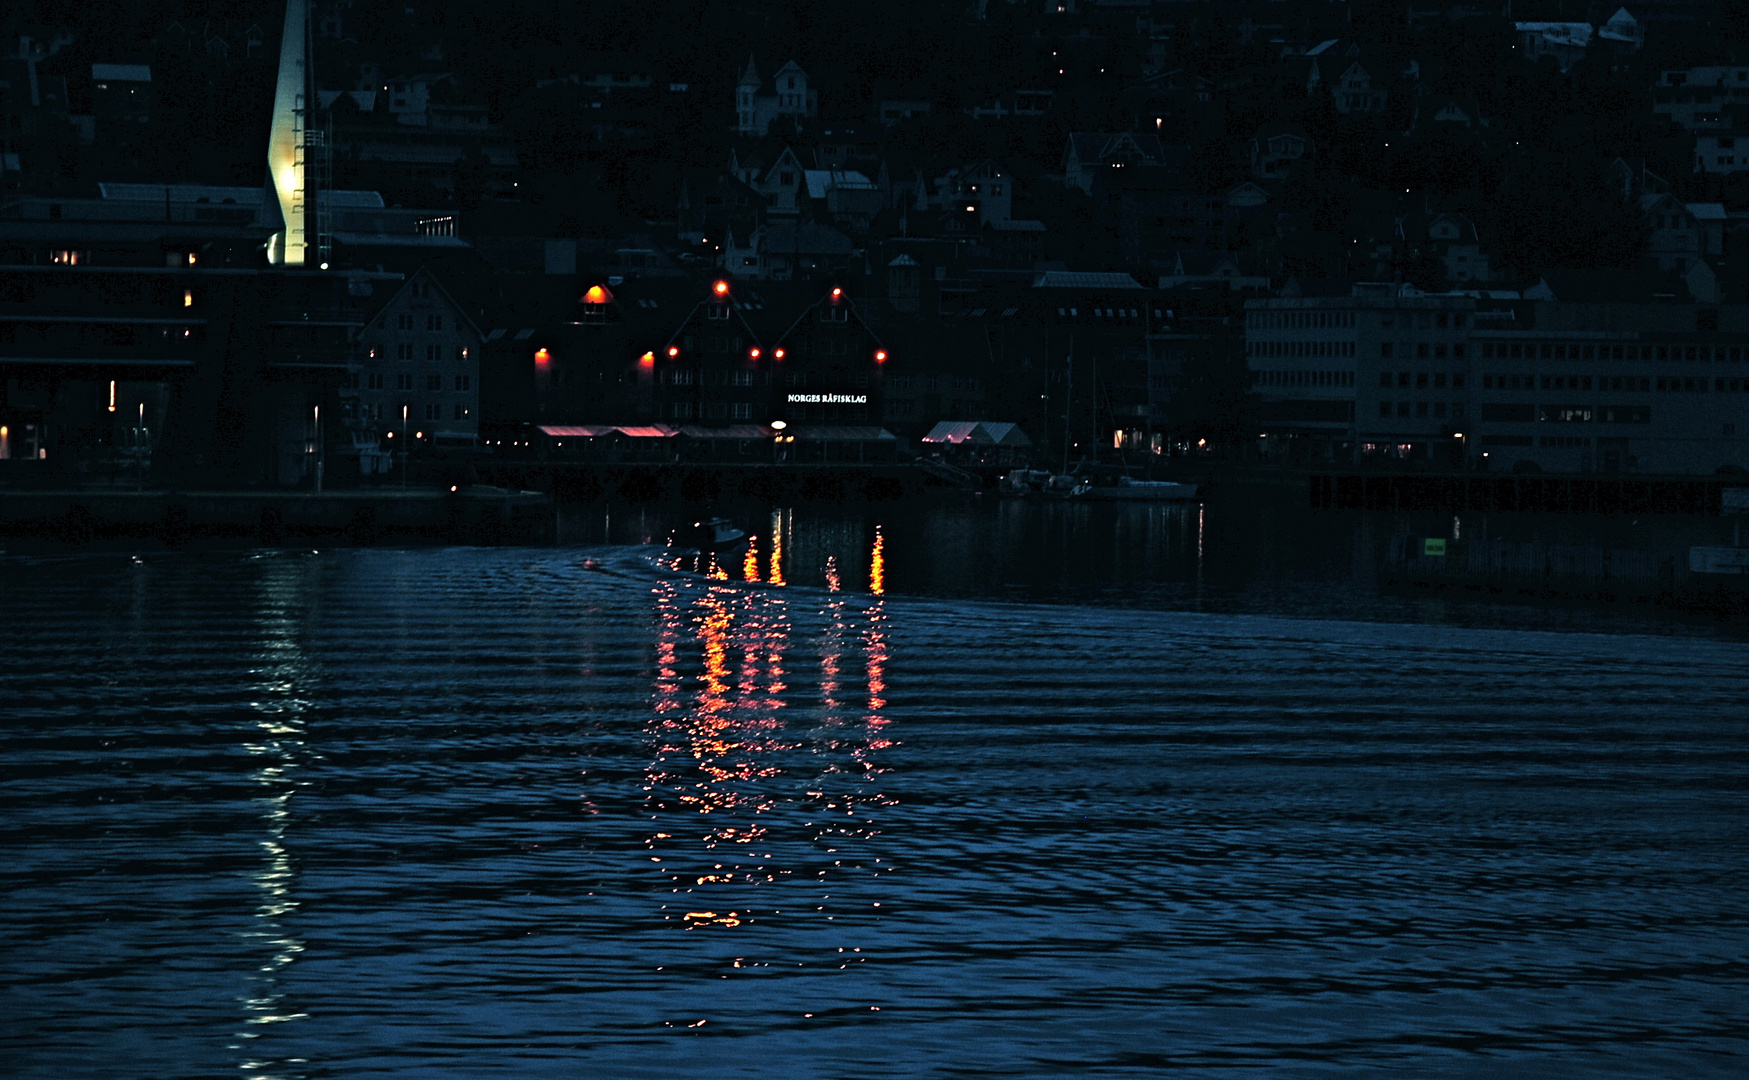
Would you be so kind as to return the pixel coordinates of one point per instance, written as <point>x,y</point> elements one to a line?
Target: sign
<point>1433,546</point>
<point>828,399</point>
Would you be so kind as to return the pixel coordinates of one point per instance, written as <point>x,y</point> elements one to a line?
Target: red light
<point>721,288</point>
<point>880,356</point>
<point>648,359</point>
<point>778,354</point>
<point>595,295</point>
<point>542,357</point>
<point>754,353</point>
<point>836,293</point>
<point>673,350</point>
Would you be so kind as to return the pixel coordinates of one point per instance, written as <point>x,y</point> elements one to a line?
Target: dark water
<point>562,812</point>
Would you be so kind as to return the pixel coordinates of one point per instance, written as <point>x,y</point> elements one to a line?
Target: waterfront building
<point>1381,371</point>
<point>1492,381</point>
<point>416,375</point>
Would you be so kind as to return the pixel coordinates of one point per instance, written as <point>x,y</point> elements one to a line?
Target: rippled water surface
<point>464,813</point>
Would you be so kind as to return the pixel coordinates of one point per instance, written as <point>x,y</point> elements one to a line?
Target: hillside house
<point>786,96</point>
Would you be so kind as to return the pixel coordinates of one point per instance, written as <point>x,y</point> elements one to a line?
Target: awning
<point>595,431</point>
<point>733,431</point>
<point>977,433</point>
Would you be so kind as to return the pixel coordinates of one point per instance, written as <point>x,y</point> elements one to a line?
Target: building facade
<point>1469,382</point>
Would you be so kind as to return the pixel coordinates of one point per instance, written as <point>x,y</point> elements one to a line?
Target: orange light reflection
<point>776,576</point>
<point>750,562</point>
<point>877,565</point>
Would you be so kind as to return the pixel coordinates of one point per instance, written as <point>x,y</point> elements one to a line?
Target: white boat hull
<point>1138,491</point>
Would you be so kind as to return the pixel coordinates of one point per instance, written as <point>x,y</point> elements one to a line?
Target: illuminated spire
<point>285,140</point>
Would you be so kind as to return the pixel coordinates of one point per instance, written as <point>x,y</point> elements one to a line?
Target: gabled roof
<point>1068,279</point>
<point>1143,148</point>
<point>425,275</point>
<point>1599,286</point>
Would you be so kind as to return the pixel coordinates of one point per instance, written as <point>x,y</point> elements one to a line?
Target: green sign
<point>1433,546</point>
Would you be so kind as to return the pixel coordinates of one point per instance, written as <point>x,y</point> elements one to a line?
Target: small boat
<point>1128,490</point>
<point>1024,481</point>
<point>711,536</point>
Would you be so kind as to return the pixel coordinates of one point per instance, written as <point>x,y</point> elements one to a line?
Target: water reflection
<point>280,676</point>
<point>757,762</point>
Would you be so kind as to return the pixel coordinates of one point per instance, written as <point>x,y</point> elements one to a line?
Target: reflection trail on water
<point>283,687</point>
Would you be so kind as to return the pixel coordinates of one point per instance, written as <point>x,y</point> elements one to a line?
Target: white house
<point>787,96</point>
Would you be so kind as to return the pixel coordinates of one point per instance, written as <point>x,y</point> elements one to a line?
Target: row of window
<point>377,411</point>
<point>433,353</point>
<point>931,384</point>
<point>711,410</point>
<point>1423,350</point>
<point>376,380</point>
<point>1102,313</point>
<point>1422,409</point>
<point>1422,380</point>
<point>1530,350</point>
<point>1302,320</point>
<point>433,323</point>
<point>690,376</point>
<point>1567,414</point>
<point>1693,384</point>
<point>1304,378</point>
<point>687,376</point>
<point>1274,349</point>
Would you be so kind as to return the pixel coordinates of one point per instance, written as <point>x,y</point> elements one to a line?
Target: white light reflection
<point>280,673</point>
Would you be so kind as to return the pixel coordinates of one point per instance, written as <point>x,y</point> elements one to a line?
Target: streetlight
<point>406,451</point>
<point>318,416</point>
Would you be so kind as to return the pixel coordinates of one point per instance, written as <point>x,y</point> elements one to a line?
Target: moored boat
<point>1128,490</point>
<point>709,537</point>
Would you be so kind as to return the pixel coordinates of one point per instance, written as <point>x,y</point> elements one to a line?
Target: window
<point>833,313</point>
<point>403,382</point>
<point>434,354</point>
<point>1384,350</point>
<point>1421,408</point>
<point>741,410</point>
<point>404,322</point>
<point>403,352</point>
<point>434,382</point>
<point>717,311</point>
<point>1384,408</point>
<point>461,412</point>
<point>1457,380</point>
<point>1403,409</point>
<point>1403,379</point>
<point>434,322</point>
<point>464,382</point>
<point>434,412</point>
<point>376,380</point>
<point>1421,380</point>
<point>1421,350</point>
